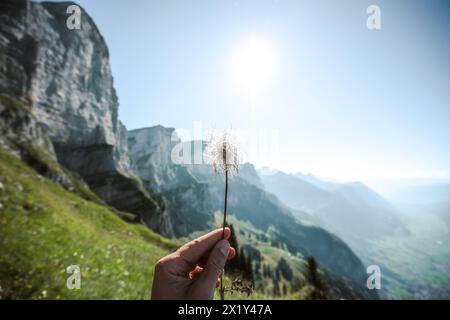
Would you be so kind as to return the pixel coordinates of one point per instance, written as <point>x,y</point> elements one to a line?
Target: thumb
<point>213,269</point>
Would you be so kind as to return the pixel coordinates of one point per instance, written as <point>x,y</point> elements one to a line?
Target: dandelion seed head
<point>222,152</point>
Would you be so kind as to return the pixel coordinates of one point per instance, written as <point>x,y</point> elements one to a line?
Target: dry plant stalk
<point>239,286</point>
<point>223,153</point>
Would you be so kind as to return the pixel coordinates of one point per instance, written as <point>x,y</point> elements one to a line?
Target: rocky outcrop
<point>23,136</point>
<point>150,152</point>
<point>19,127</point>
<point>185,201</point>
<point>247,172</point>
<point>65,77</point>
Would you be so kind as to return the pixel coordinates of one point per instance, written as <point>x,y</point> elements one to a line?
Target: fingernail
<point>224,247</point>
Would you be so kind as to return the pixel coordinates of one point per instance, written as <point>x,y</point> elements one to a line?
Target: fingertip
<point>231,253</point>
<point>224,247</point>
<point>227,233</point>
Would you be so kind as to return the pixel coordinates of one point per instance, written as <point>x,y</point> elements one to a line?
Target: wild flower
<point>224,155</point>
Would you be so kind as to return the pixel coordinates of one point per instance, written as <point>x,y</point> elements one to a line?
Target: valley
<point>409,243</point>
<point>78,188</point>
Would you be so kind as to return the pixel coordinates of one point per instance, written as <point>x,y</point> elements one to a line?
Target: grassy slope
<point>271,255</point>
<point>44,229</point>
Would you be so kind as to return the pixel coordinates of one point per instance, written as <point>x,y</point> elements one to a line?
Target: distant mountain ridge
<point>351,210</point>
<point>308,177</point>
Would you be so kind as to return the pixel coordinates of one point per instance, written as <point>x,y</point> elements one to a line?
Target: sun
<point>253,65</point>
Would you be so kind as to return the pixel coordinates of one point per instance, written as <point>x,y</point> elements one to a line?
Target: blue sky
<point>347,103</point>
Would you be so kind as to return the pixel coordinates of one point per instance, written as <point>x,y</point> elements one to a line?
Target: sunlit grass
<point>44,229</point>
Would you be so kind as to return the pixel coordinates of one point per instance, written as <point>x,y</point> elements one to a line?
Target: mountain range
<point>396,236</point>
<point>59,117</point>
<point>59,114</point>
<point>351,210</point>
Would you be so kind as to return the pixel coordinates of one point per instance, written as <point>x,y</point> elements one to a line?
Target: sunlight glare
<point>252,66</point>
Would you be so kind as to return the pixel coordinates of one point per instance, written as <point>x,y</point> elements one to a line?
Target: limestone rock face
<point>23,136</point>
<point>150,151</point>
<point>65,76</point>
<point>18,127</point>
<point>186,202</point>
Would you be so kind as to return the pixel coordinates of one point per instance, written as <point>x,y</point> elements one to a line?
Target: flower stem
<point>222,291</point>
<point>225,206</point>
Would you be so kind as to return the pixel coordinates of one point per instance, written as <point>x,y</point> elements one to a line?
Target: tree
<point>249,269</point>
<point>296,284</point>
<point>285,269</point>
<point>277,274</point>
<point>234,264</point>
<point>285,289</point>
<point>241,264</point>
<point>276,289</point>
<point>233,240</point>
<point>319,290</point>
<point>265,271</point>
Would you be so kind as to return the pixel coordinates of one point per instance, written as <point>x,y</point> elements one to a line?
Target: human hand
<point>192,272</point>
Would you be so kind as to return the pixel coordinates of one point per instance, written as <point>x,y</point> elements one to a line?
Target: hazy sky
<point>347,103</point>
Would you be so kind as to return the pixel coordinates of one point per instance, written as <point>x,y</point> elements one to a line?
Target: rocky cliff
<point>185,201</point>
<point>65,78</point>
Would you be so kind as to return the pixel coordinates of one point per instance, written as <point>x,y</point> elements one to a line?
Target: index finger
<point>192,251</point>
